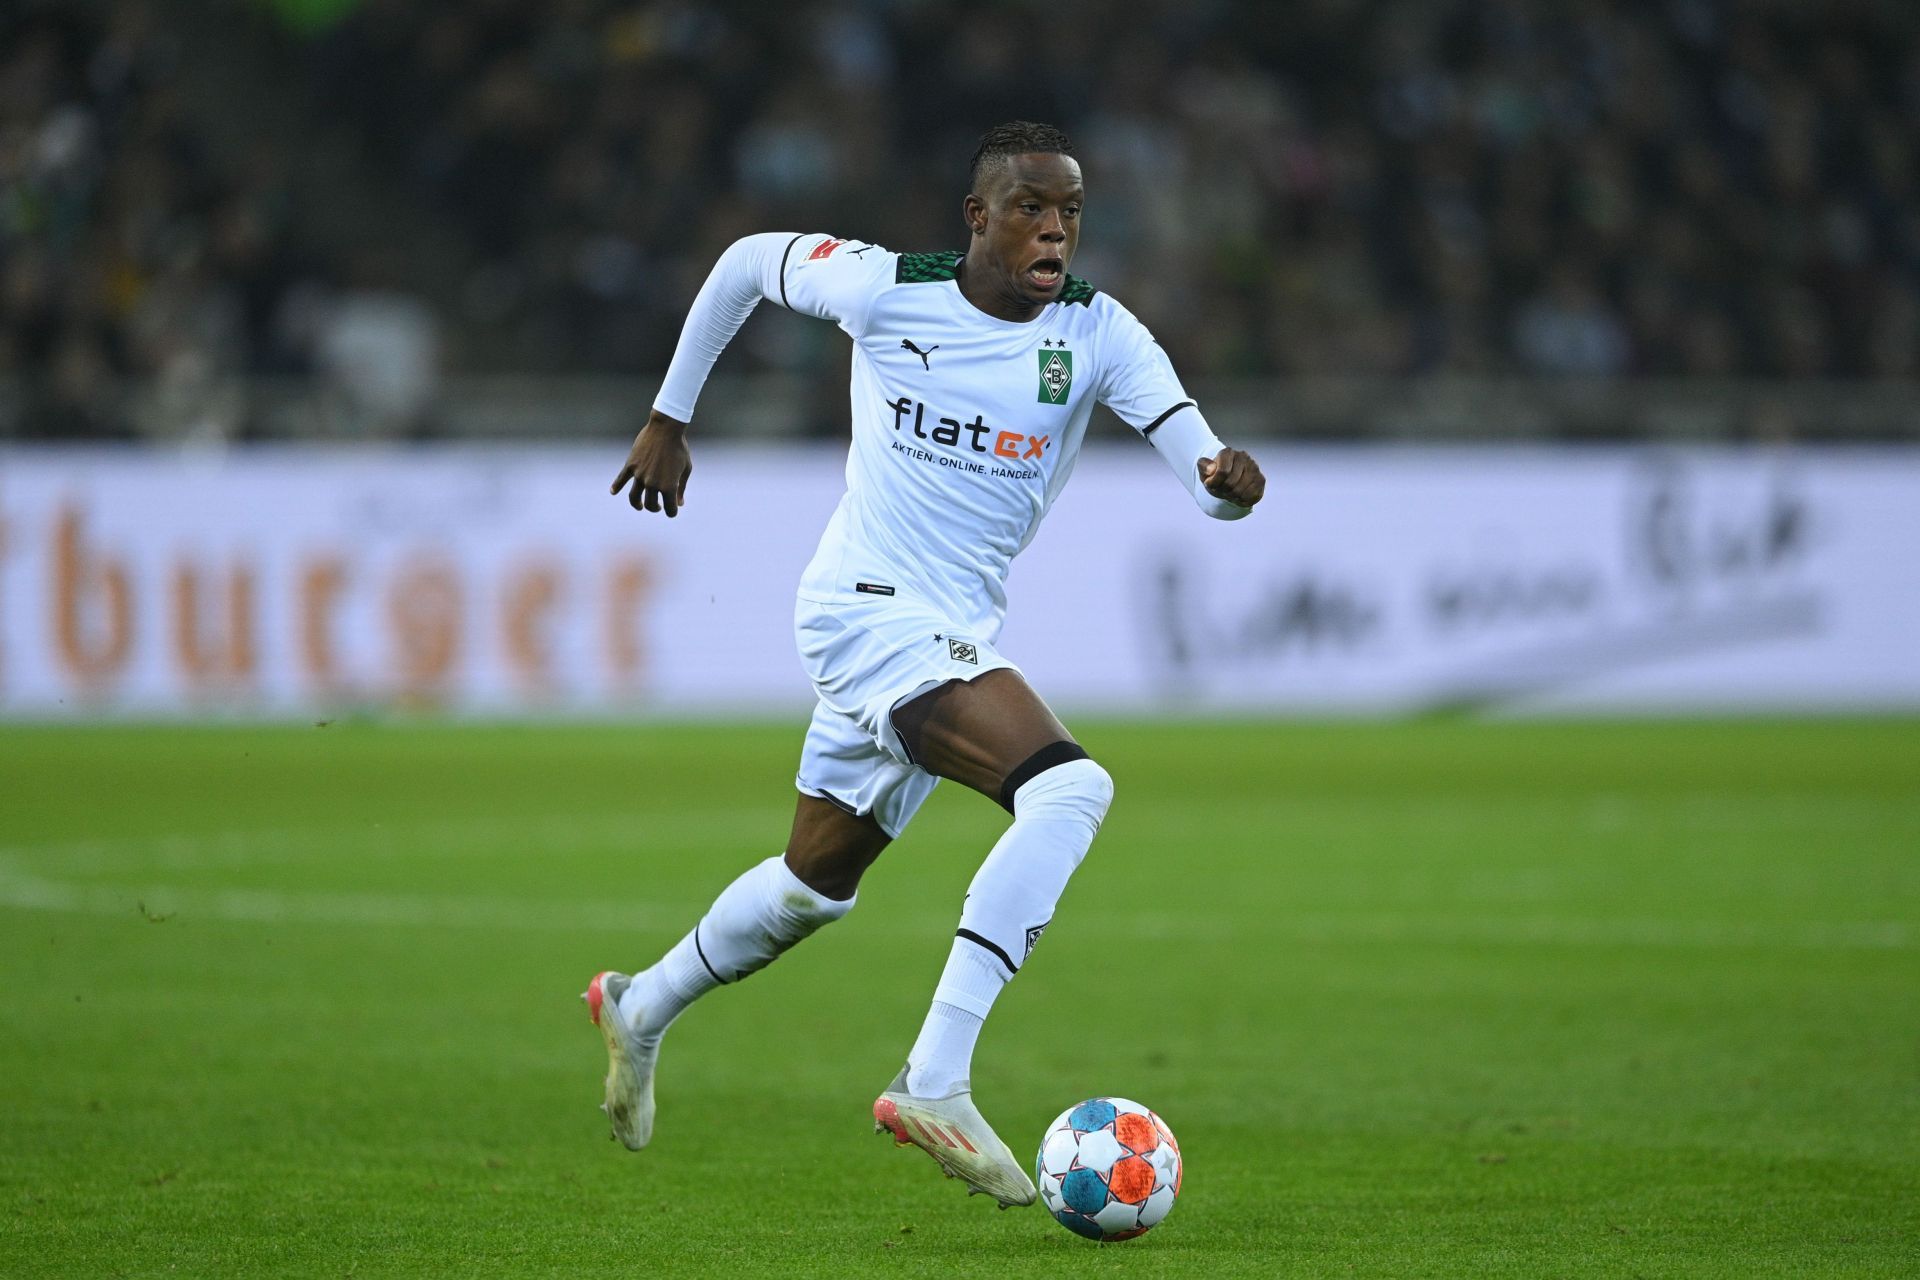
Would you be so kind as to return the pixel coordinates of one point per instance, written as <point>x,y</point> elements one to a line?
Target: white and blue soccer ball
<point>1108,1169</point>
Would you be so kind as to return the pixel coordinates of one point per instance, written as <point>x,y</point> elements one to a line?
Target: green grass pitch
<point>1433,999</point>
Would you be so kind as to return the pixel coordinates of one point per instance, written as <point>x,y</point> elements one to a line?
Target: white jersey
<point>965,426</point>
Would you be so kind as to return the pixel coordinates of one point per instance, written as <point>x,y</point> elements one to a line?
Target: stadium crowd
<point>1608,188</point>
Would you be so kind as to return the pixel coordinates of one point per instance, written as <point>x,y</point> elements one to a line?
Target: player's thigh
<point>978,731</point>
<point>829,849</point>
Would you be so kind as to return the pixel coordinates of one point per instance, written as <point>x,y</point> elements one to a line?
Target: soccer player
<point>974,375</point>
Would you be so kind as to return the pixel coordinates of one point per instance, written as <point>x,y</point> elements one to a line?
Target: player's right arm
<point>804,272</point>
<point>658,465</point>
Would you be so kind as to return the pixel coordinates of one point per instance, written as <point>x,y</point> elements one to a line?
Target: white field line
<point>752,825</point>
<point>240,849</point>
<point>119,870</point>
<point>1624,933</point>
<point>387,910</point>
<point>126,863</point>
<point>21,891</point>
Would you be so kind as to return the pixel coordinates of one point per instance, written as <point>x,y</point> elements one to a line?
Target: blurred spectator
<point>126,258</point>
<point>1592,188</point>
<point>380,350</point>
<point>1569,328</point>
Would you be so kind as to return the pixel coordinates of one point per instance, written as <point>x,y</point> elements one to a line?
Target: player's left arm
<point>1141,386</point>
<point>1230,477</point>
<point>1233,475</point>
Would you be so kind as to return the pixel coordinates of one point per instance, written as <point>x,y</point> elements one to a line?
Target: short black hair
<point>1015,138</point>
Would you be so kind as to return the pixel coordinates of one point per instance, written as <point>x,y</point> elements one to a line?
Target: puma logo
<point>907,345</point>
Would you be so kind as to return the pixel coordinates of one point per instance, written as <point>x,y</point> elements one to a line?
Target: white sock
<point>761,914</point>
<point>939,1060</point>
<point>1009,903</point>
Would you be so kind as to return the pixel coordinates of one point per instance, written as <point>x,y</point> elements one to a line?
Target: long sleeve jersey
<point>965,427</point>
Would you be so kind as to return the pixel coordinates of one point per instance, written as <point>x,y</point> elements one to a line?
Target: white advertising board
<point>284,582</point>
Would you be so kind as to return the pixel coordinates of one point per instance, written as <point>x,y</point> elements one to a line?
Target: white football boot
<point>957,1136</point>
<point>629,1102</point>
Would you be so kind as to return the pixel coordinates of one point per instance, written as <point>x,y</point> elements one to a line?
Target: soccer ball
<point>1108,1169</point>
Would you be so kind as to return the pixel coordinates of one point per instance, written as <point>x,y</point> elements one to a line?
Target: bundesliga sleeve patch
<point>1056,374</point>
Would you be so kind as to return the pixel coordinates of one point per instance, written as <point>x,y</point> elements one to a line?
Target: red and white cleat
<point>629,1089</point>
<point>958,1137</point>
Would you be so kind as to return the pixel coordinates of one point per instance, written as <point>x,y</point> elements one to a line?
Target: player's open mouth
<point>1046,273</point>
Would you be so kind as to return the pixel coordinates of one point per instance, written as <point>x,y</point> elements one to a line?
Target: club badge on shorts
<point>961,651</point>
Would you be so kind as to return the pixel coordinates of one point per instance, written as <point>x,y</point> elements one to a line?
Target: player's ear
<point>974,211</point>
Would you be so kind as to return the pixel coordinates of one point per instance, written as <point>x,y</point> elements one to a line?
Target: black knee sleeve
<point>1047,757</point>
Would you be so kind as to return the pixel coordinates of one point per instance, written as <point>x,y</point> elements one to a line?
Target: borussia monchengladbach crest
<point>1056,375</point>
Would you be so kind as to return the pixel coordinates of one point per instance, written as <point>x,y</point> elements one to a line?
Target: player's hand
<point>1234,476</point>
<point>658,464</point>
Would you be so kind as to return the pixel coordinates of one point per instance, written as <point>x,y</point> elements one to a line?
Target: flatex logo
<point>949,432</point>
<point>1056,371</point>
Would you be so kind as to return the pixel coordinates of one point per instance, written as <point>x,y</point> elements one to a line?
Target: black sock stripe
<point>1148,430</point>
<point>975,938</point>
<point>1047,757</point>
<point>783,273</point>
<point>702,951</point>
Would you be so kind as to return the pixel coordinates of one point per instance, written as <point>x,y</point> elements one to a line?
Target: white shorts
<point>865,659</point>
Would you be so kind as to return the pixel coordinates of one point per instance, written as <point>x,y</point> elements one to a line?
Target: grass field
<point>1439,999</point>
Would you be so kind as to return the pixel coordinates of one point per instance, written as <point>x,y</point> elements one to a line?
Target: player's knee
<point>812,910</point>
<point>830,884</point>
<point>1074,784</point>
<point>1094,788</point>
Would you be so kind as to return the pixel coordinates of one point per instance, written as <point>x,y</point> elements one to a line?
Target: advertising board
<point>284,582</point>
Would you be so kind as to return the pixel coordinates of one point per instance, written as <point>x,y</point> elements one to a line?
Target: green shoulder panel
<point>926,268</point>
<point>931,268</point>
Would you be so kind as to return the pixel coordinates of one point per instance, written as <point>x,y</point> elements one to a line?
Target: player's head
<point>1023,210</point>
